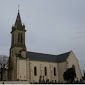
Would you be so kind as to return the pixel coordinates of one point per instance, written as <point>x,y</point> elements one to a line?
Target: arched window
<point>35,71</point>
<point>13,39</point>
<point>54,71</point>
<point>20,38</point>
<point>73,66</point>
<point>45,70</point>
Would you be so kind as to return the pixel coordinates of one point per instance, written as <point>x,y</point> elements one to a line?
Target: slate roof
<point>47,57</point>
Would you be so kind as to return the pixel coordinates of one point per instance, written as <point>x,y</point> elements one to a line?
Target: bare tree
<point>3,65</point>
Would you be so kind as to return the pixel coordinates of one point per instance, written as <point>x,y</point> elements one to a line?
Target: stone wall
<point>14,82</point>
<point>41,72</point>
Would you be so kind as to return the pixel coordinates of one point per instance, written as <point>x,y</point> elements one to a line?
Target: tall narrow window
<point>54,71</point>
<point>20,38</point>
<point>35,71</point>
<point>73,67</point>
<point>13,39</point>
<point>45,70</point>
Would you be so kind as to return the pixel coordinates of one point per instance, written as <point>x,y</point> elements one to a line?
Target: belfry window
<point>35,71</point>
<point>12,38</point>
<point>54,71</point>
<point>45,70</point>
<point>20,38</point>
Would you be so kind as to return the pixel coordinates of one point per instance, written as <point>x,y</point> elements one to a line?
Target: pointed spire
<point>18,22</point>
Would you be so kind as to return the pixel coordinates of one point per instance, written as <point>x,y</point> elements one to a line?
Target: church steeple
<point>18,23</point>
<point>18,34</point>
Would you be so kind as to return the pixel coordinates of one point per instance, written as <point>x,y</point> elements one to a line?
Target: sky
<point>53,26</point>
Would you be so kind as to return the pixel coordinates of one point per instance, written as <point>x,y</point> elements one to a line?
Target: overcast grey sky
<point>53,26</point>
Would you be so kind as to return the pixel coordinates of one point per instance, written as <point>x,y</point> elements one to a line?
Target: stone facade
<point>17,46</point>
<point>25,67</point>
<point>60,69</point>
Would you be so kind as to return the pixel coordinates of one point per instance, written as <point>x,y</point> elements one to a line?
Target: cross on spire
<point>18,8</point>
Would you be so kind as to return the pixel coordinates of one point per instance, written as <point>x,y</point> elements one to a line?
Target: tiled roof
<point>47,57</point>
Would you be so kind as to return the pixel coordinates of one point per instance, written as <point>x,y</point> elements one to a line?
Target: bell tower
<point>17,49</point>
<point>17,36</point>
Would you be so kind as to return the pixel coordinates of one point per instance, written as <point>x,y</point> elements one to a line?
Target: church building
<point>30,66</point>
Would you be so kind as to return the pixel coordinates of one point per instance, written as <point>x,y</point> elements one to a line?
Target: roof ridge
<point>64,53</point>
<point>49,54</point>
<point>40,53</point>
